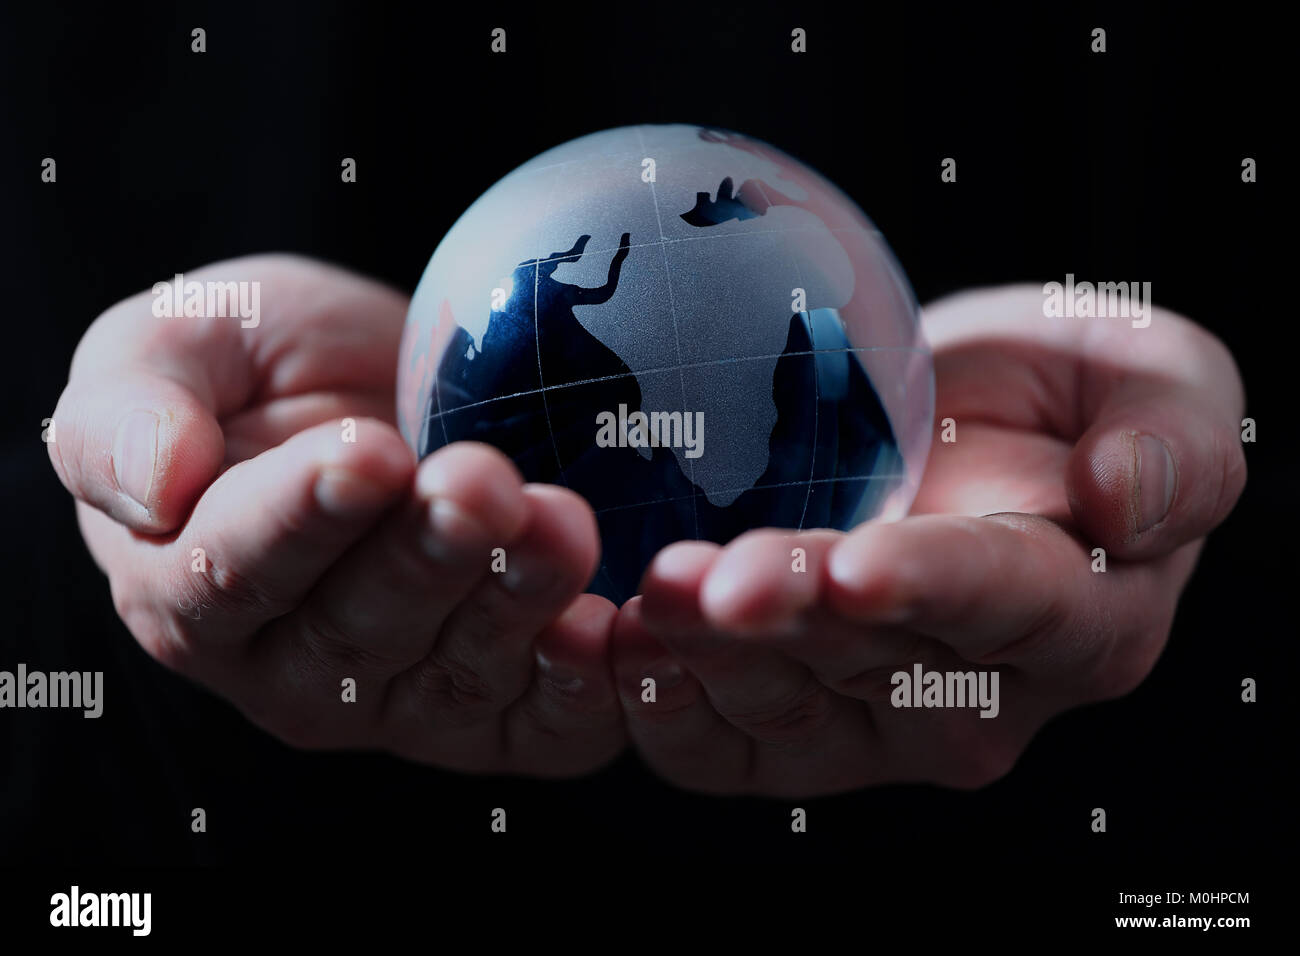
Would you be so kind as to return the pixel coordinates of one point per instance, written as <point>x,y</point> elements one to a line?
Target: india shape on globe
<point>676,281</point>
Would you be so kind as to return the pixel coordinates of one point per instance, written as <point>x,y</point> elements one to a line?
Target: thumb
<point>138,447</point>
<point>1155,472</point>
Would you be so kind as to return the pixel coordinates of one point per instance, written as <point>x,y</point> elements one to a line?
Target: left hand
<point>323,559</point>
<point>783,678</point>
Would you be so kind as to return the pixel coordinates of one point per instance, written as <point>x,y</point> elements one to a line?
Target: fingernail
<point>499,496</point>
<point>450,534</point>
<point>135,451</point>
<point>342,494</point>
<point>559,675</point>
<point>1156,477</point>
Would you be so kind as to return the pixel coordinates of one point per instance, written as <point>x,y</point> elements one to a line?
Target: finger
<point>768,586</point>
<point>569,721</point>
<point>319,328</point>
<point>376,612</point>
<point>388,597</point>
<point>137,446</point>
<point>761,691</point>
<point>669,717</point>
<point>670,587</point>
<point>1053,374</point>
<point>1153,410</point>
<point>980,585</point>
<point>483,658</point>
<point>1154,472</point>
<point>679,730</point>
<point>136,428</point>
<point>764,581</point>
<point>262,535</point>
<point>252,432</point>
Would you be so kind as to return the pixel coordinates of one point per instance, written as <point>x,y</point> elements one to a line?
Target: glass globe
<point>694,331</point>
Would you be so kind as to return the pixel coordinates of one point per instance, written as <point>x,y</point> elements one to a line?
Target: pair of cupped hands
<point>326,559</point>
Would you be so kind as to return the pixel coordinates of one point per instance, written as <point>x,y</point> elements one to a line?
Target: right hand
<point>327,559</point>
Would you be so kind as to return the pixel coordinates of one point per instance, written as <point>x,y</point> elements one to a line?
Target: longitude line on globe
<point>817,387</point>
<point>672,305</point>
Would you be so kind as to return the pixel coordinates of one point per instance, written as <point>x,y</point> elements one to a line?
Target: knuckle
<point>331,649</point>
<point>794,720</point>
<point>483,617</point>
<point>452,685</point>
<point>226,590</point>
<point>877,681</point>
<point>572,698</point>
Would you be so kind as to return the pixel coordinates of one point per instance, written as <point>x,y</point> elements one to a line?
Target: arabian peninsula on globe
<point>694,331</point>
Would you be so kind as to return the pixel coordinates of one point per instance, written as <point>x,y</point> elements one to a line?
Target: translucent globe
<point>694,331</point>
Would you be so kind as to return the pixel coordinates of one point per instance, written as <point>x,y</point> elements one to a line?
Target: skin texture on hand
<point>1070,435</point>
<point>325,559</point>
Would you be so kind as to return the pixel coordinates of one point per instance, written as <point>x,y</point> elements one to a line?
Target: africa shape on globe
<point>735,298</point>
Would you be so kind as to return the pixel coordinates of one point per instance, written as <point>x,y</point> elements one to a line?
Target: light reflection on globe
<point>699,277</point>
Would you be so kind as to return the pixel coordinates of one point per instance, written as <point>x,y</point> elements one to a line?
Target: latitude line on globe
<point>724,236</point>
<point>664,369</point>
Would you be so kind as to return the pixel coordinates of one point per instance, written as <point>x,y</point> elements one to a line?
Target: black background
<point>1122,166</point>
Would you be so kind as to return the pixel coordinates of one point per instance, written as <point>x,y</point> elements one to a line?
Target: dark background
<point>1122,166</point>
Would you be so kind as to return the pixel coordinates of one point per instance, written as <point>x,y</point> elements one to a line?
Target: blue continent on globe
<point>707,280</point>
